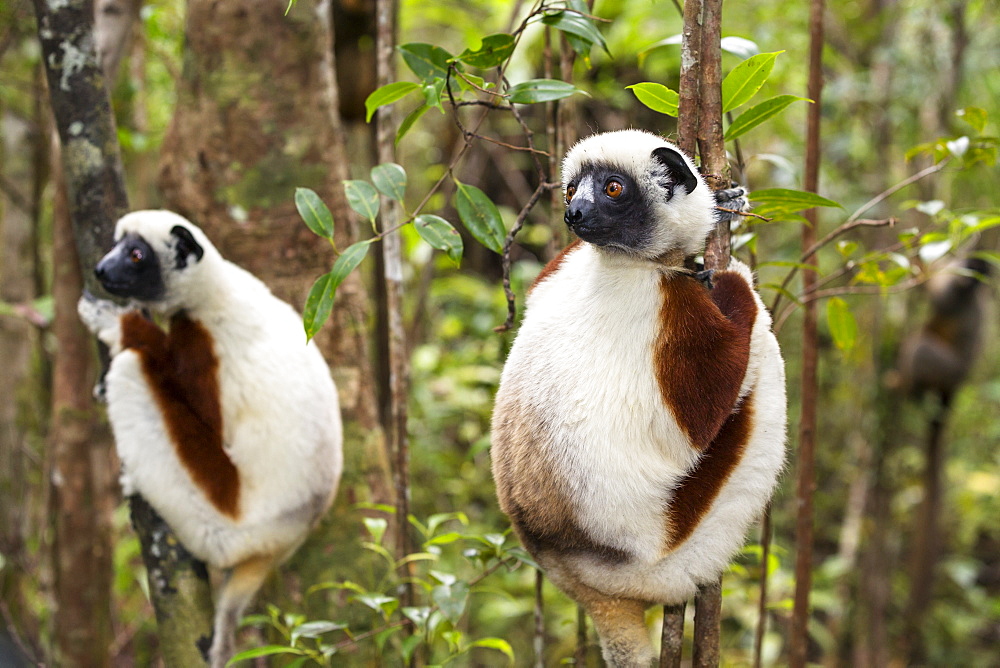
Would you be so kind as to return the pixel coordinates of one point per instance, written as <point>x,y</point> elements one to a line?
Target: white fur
<point>281,421</point>
<point>685,220</point>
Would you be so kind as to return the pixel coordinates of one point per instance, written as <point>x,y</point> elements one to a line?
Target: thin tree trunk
<point>765,558</point>
<point>180,590</point>
<point>392,254</point>
<point>82,544</point>
<point>672,636</point>
<point>799,639</point>
<point>538,641</point>
<point>689,107</point>
<point>95,198</point>
<point>699,125</point>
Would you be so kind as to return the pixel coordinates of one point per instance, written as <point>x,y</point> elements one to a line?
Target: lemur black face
<point>606,208</point>
<point>131,269</point>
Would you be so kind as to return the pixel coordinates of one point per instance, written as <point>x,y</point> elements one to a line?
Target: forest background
<point>225,109</point>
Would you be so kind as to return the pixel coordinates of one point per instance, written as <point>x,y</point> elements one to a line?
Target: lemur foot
<point>730,203</point>
<point>98,314</point>
<point>705,278</point>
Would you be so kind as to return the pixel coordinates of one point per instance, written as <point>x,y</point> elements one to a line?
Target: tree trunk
<point>80,467</point>
<point>87,203</point>
<point>799,639</point>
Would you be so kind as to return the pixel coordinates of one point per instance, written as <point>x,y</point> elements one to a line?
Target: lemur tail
<point>238,590</point>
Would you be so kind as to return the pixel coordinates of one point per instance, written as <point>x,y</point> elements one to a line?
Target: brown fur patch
<point>182,370</point>
<point>554,263</point>
<point>702,350</point>
<point>529,491</point>
<point>694,495</point>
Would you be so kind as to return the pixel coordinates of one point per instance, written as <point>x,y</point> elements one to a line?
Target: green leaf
<point>410,645</point>
<point>739,46</point>
<point>379,603</point>
<point>437,519</point>
<point>440,234</point>
<point>974,116</point>
<point>418,616</point>
<point>451,600</point>
<point>444,539</point>
<point>444,578</point>
<point>657,97</point>
<point>427,61</point>
<point>390,179</point>
<point>410,119</point>
<point>315,629</point>
<point>759,113</point>
<point>743,82</point>
<point>387,94</point>
<point>480,216</point>
<point>363,198</point>
<point>417,556</point>
<point>314,212</point>
<point>843,326</point>
<point>784,199</point>
<point>576,26</point>
<point>493,51</point>
<point>266,650</point>
<point>376,527</point>
<point>432,94</point>
<point>319,303</point>
<point>497,644</point>
<point>541,90</point>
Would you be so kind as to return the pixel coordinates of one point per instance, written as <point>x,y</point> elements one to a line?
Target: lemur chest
<point>585,354</point>
<point>583,368</point>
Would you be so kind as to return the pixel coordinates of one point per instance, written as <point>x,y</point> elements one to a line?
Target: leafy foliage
<point>434,629</point>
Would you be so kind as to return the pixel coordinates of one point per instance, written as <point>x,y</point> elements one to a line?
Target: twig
<point>848,225</point>
<point>526,149</point>
<point>854,218</point>
<point>885,194</point>
<point>765,557</point>
<point>508,242</point>
<point>849,290</point>
<point>744,213</point>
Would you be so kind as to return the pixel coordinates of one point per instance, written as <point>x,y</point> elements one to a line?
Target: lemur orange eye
<point>570,191</point>
<point>614,189</point>
<point>136,255</point>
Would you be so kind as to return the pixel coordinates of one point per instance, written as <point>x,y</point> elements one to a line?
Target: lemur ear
<point>678,167</point>
<point>186,246</point>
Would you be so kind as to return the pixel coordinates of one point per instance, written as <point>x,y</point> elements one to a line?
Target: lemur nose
<point>576,212</point>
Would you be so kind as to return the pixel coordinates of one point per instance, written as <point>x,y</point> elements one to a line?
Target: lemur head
<point>156,256</point>
<point>633,192</point>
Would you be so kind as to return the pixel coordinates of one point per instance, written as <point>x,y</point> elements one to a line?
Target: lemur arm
<point>703,350</point>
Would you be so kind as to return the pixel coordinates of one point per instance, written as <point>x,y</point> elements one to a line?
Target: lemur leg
<point>621,625</point>
<point>620,622</point>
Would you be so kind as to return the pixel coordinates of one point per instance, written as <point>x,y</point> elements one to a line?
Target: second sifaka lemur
<point>639,427</point>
